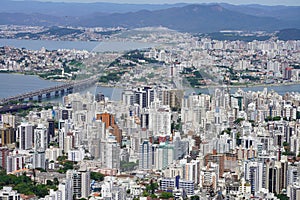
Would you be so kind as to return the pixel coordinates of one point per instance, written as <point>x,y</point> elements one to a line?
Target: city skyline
<point>148,100</point>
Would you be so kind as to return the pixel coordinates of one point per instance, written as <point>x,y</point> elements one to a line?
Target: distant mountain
<point>31,19</point>
<point>278,12</point>
<point>76,9</point>
<point>190,18</point>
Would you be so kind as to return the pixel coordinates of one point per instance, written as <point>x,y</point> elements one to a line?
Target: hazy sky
<point>264,2</point>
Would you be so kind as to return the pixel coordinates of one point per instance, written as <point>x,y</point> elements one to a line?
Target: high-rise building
<point>66,189</point>
<point>162,155</point>
<point>100,97</point>
<point>66,114</point>
<point>253,172</point>
<point>174,170</point>
<point>9,119</point>
<point>15,162</point>
<point>295,192</point>
<point>76,155</point>
<point>68,142</point>
<point>277,176</point>
<point>145,155</point>
<point>25,133</point>
<point>110,153</point>
<point>61,138</point>
<point>209,177</point>
<point>144,96</point>
<point>170,97</point>
<point>293,174</point>
<point>7,135</point>
<point>287,74</point>
<point>128,97</point>
<point>51,129</point>
<point>192,171</point>
<point>52,153</point>
<point>159,119</point>
<point>80,182</point>
<point>177,183</point>
<point>180,147</point>
<point>4,152</point>
<point>110,124</point>
<point>216,158</point>
<point>107,118</point>
<point>38,160</point>
<point>40,137</point>
<point>144,118</point>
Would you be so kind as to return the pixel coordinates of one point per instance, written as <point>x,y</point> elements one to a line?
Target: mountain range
<point>193,18</point>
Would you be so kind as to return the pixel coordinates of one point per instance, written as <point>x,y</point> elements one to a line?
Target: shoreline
<point>249,85</point>
<point>201,87</point>
<point>218,86</point>
<point>272,84</point>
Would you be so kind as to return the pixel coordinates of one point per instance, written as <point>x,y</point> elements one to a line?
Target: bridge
<point>66,88</point>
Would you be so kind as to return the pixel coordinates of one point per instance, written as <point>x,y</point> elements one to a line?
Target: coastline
<point>249,85</point>
<point>106,85</point>
<point>216,86</point>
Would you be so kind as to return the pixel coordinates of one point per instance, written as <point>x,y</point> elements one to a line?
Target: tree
<point>49,183</point>
<point>238,136</point>
<point>56,124</point>
<point>298,115</point>
<point>195,198</point>
<point>152,187</point>
<point>127,166</point>
<point>97,176</point>
<point>41,190</point>
<point>166,195</point>
<point>55,181</point>
<point>239,120</point>
<point>282,197</point>
<point>145,193</point>
<point>61,158</point>
<point>24,188</point>
<point>24,185</point>
<point>286,144</point>
<point>66,166</point>
<point>277,118</point>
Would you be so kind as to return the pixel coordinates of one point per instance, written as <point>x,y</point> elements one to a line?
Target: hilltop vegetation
<point>24,185</point>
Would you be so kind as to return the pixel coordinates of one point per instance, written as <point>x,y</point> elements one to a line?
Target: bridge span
<point>66,88</point>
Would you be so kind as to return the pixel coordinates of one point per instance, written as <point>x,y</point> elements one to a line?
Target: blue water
<point>13,84</point>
